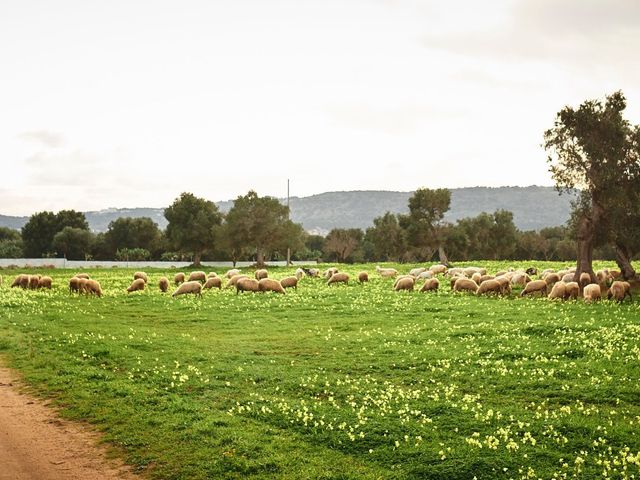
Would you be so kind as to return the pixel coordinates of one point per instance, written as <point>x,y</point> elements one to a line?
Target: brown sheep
<point>535,286</point>
<point>270,285</point>
<point>20,281</point>
<point>92,287</point>
<point>568,277</point>
<point>386,272</point>
<point>402,277</point>
<point>137,285</point>
<point>363,277</point>
<point>619,291</point>
<point>247,284</point>
<point>453,280</point>
<point>592,293</point>
<point>197,276</point>
<point>489,286</point>
<point>212,274</point>
<point>194,287</point>
<point>45,282</point>
<point>485,277</point>
<point>584,279</point>
<point>339,277</point>
<point>142,276</point>
<point>213,282</point>
<point>476,277</point>
<point>262,273</point>
<point>178,278</point>
<point>33,281</point>
<point>465,284</point>
<point>559,290</point>
<point>329,272</point>
<point>73,284</point>
<point>82,283</point>
<point>289,282</point>
<point>232,272</point>
<point>551,279</point>
<point>572,290</point>
<point>163,284</point>
<point>82,275</point>
<point>430,285</point>
<point>520,279</point>
<point>438,269</point>
<point>233,280</point>
<point>404,283</point>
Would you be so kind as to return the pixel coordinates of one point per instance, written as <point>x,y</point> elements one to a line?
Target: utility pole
<point>288,217</point>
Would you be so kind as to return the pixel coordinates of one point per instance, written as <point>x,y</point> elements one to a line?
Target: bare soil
<point>36,444</point>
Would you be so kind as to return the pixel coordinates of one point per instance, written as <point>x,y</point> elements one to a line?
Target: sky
<point>129,103</point>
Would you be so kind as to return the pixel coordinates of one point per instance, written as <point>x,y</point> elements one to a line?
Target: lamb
<point>430,285</point>
<point>178,278</point>
<point>619,291</point>
<point>270,285</point>
<point>363,277</point>
<point>329,272</point>
<point>592,293</point>
<point>194,287</point>
<point>247,284</point>
<point>233,280</point>
<point>213,282</point>
<point>559,290</point>
<point>465,284</point>
<point>404,283</point>
<point>386,272</point>
<point>45,282</point>
<point>92,287</point>
<point>489,286</point>
<point>414,272</point>
<point>339,277</point>
<point>163,284</point>
<point>572,290</point>
<point>199,276</point>
<point>137,285</point>
<point>141,275</point>
<point>299,273</point>
<point>260,274</point>
<point>426,274</point>
<point>551,279</point>
<point>535,286</point>
<point>438,269</point>
<point>232,272</point>
<point>82,275</point>
<point>289,282</point>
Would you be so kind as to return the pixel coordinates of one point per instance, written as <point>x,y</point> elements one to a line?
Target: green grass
<point>336,382</point>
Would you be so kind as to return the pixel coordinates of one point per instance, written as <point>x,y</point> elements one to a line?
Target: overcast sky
<point>128,103</point>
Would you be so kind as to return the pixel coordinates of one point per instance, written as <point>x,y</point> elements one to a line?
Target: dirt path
<point>36,444</point>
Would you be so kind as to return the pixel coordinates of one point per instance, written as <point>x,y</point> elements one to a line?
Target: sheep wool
<point>416,271</point>
<point>137,285</point>
<point>386,272</point>
<point>438,269</point>
<point>363,277</point>
<point>92,287</point>
<point>404,283</point>
<point>186,288</point>
<point>163,284</point>
<point>465,285</point>
<point>572,290</point>
<point>430,285</point>
<point>329,272</point>
<point>82,284</point>
<point>270,285</point>
<point>489,286</point>
<point>559,290</point>
<point>299,273</point>
<point>82,275</point>
<point>262,273</point>
<point>233,280</point>
<point>142,276</point>
<point>535,286</point>
<point>197,276</point>
<point>289,282</point>
<point>551,279</point>
<point>212,274</point>
<point>592,293</point>
<point>33,281</point>
<point>213,282</point>
<point>45,282</point>
<point>426,274</point>
<point>584,279</point>
<point>232,272</point>
<point>619,291</point>
<point>338,277</point>
<point>74,284</point>
<point>178,278</point>
<point>247,284</point>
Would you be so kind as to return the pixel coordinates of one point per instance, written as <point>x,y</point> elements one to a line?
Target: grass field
<point>336,382</point>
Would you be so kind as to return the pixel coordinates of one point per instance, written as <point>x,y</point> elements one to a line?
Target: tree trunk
<point>196,259</point>
<point>259,258</point>
<point>586,236</point>
<point>623,259</point>
<point>443,256</point>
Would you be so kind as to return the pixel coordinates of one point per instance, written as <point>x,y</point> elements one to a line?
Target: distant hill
<point>533,208</point>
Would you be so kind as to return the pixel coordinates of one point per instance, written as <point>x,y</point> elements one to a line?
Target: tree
<point>261,225</point>
<point>127,233</point>
<point>387,238</point>
<point>192,222</point>
<point>10,243</point>
<point>595,149</point>
<point>38,232</point>
<point>342,243</point>
<point>73,243</point>
<point>423,223</point>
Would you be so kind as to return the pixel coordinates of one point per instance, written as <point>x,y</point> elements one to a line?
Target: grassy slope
<point>336,382</point>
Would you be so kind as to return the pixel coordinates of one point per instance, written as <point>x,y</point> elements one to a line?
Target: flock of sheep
<point>551,283</point>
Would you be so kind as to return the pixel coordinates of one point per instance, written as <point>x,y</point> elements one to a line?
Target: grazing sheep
<point>178,278</point>
<point>247,284</point>
<point>213,282</point>
<point>584,279</point>
<point>45,282</point>
<point>465,284</point>
<point>520,279</point>
<point>339,277</point>
<point>535,286</point>
<point>232,272</point>
<point>363,277</point>
<point>262,273</point>
<point>289,282</point>
<point>572,290</point>
<point>74,285</point>
<point>212,274</point>
<point>386,272</point>
<point>91,287</point>
<point>329,272</point>
<point>270,285</point>
<point>414,272</point>
<point>531,271</point>
<point>546,272</point>
<point>141,275</point>
<point>567,277</point>
<point>299,273</point>
<point>505,284</point>
<point>602,276</point>
<point>551,279</point>
<point>454,272</point>
<point>197,276</point>
<point>395,282</point>
<point>194,287</point>
<point>404,283</point>
<point>559,290</point>
<point>137,285</point>
<point>485,277</point>
<point>453,280</point>
<point>163,284</point>
<point>469,271</point>
<point>21,280</point>
<point>33,281</point>
<point>438,269</point>
<point>501,273</point>
<point>619,291</point>
<point>489,286</point>
<point>615,274</point>
<point>430,285</point>
<point>82,275</point>
<point>311,272</point>
<point>592,293</point>
<point>426,274</point>
<point>476,277</point>
<point>233,280</point>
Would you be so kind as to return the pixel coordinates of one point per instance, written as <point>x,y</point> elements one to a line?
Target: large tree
<point>387,238</point>
<point>133,233</point>
<point>192,223</point>
<point>342,243</point>
<point>38,232</point>
<point>595,149</point>
<point>73,243</point>
<point>10,243</point>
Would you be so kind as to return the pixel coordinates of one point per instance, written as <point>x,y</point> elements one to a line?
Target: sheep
<point>213,282</point>
<point>289,282</point>
<point>400,278</point>
<point>92,287</point>
<point>501,273</point>
<point>329,272</point>
<point>476,277</point>
<point>232,272</point>
<point>615,274</point>
<point>212,274</point>
<point>602,276</point>
<point>454,272</point>
<point>74,284</point>
<point>485,277</point>
<point>20,281</point>
<point>311,272</point>
<point>414,272</point>
<point>531,271</point>
<point>260,274</point>
<point>33,281</point>
<point>520,279</point>
<point>363,277</point>
<point>233,280</point>
<point>572,290</point>
<point>247,284</point>
<point>404,283</point>
<point>339,277</point>
<point>551,279</point>
<point>430,285</point>
<point>194,287</point>
<point>535,286</point>
<point>547,271</point>
<point>619,291</point>
<point>178,278</point>
<point>199,276</point>
<point>489,286</point>
<point>386,272</point>
<point>45,282</point>
<point>567,277</point>
<point>505,284</point>
<point>584,279</point>
<point>82,275</point>
<point>592,293</point>
<point>426,274</point>
<point>465,284</point>
<point>270,285</point>
<point>453,281</point>
<point>438,269</point>
<point>469,271</point>
<point>558,290</point>
<point>163,284</point>
<point>137,285</point>
<point>299,273</point>
<point>141,275</point>
<point>82,283</point>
